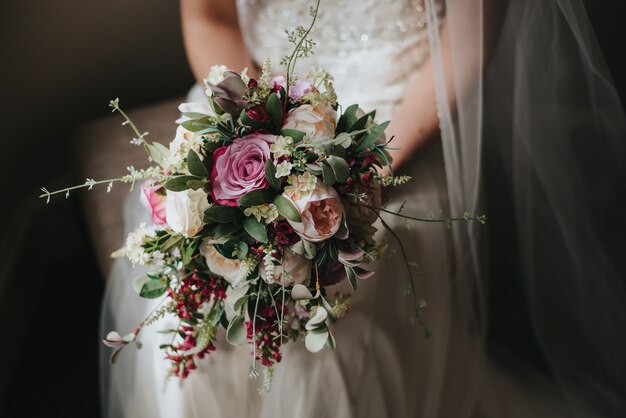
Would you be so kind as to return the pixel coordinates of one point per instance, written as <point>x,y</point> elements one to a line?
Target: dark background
<point>61,62</point>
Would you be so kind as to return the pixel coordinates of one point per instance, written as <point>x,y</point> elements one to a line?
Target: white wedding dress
<point>383,366</point>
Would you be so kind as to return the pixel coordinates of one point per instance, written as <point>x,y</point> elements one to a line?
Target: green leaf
<point>344,140</point>
<point>240,303</point>
<point>304,248</point>
<point>256,197</point>
<point>340,168</point>
<point>196,126</point>
<point>179,184</point>
<point>194,115</point>
<point>294,134</point>
<point>328,176</point>
<point>158,152</point>
<point>347,119</point>
<point>171,243</point>
<point>222,214</point>
<point>315,339</point>
<point>196,184</point>
<point>195,165</point>
<point>361,123</point>
<point>351,277</point>
<point>330,342</point>
<point>371,137</point>
<point>275,110</point>
<point>150,289</point>
<point>255,229</point>
<point>224,230</point>
<point>232,249</point>
<point>236,332</point>
<point>186,253</point>
<point>270,175</point>
<point>287,208</point>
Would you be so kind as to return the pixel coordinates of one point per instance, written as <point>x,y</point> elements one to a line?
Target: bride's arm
<point>212,36</point>
<point>415,121</point>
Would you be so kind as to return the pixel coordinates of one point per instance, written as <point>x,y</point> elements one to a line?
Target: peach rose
<point>295,269</point>
<point>321,211</point>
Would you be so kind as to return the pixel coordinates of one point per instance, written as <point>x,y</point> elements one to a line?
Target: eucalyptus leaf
<point>171,243</point>
<point>287,208</point>
<point>300,292</point>
<point>351,277</point>
<point>330,342</point>
<point>332,317</point>
<point>225,229</point>
<point>371,137</point>
<point>294,134</point>
<point>196,184</point>
<point>151,289</point>
<point>270,175</point>
<point>179,184</point>
<point>315,340</point>
<point>158,152</point>
<point>314,169</point>
<point>304,248</point>
<point>340,168</point>
<point>344,139</point>
<point>236,332</point>
<point>239,303</point>
<point>275,110</point>
<point>195,165</point>
<point>222,214</point>
<point>348,118</point>
<point>256,197</point>
<point>255,229</point>
<point>328,175</point>
<point>318,319</point>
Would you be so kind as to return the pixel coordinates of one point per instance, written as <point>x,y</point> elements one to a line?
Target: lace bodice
<point>372,47</point>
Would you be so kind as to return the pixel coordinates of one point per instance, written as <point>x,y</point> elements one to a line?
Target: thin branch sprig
<point>300,50</point>
<point>140,137</point>
<point>418,304</point>
<point>448,221</point>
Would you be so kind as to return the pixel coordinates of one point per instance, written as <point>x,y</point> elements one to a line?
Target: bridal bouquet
<point>267,196</point>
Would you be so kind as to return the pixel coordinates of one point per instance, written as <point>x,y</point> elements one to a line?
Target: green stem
<point>411,281</point>
<point>47,194</point>
<point>293,58</point>
<point>480,218</point>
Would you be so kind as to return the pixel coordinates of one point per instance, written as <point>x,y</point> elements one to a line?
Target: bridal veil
<point>533,132</point>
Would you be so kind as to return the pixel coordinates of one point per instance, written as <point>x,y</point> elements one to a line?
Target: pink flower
<point>321,211</point>
<point>297,90</point>
<point>240,168</point>
<point>154,202</point>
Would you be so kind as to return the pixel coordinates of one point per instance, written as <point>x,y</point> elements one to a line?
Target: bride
<point>461,82</point>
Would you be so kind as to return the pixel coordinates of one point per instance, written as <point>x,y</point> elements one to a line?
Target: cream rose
<point>184,211</point>
<point>230,270</point>
<point>317,122</point>
<point>295,269</point>
<point>321,211</point>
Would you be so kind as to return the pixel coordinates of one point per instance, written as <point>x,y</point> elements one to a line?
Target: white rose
<point>184,211</point>
<point>317,122</point>
<point>295,269</point>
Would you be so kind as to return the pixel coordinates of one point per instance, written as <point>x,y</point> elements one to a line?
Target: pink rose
<point>321,211</point>
<point>297,90</point>
<point>240,168</point>
<point>154,202</point>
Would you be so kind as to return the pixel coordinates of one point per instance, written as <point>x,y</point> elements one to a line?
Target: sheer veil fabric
<point>522,92</point>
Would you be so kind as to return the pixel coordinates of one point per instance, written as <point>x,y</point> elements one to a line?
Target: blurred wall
<point>61,62</point>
